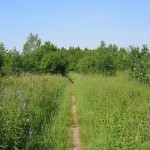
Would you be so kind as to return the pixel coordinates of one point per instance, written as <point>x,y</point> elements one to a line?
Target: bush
<point>55,62</point>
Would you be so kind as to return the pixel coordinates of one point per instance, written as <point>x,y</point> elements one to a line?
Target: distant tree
<point>138,63</point>
<point>122,59</point>
<point>106,59</point>
<point>88,63</point>
<point>107,65</point>
<point>48,47</point>
<point>144,49</point>
<point>133,59</point>
<point>13,63</point>
<point>33,42</point>
<point>102,45</point>
<point>74,56</point>
<point>145,56</point>
<point>2,56</point>
<point>55,62</point>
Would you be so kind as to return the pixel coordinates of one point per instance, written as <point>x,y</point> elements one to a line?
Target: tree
<point>133,59</point>
<point>13,63</point>
<point>74,56</point>
<point>106,59</point>
<point>33,42</point>
<point>122,59</point>
<point>88,63</point>
<point>145,56</point>
<point>2,56</point>
<point>102,45</point>
<point>144,49</point>
<point>48,46</point>
<point>55,62</point>
<point>138,63</point>
<point>107,65</point>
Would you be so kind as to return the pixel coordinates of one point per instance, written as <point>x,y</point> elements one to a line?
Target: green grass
<point>34,112</point>
<point>60,130</point>
<point>114,113</point>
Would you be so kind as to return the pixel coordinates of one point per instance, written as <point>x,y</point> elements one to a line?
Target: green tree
<point>55,62</point>
<point>106,59</point>
<point>13,63</point>
<point>47,47</point>
<point>102,45</point>
<point>121,60</point>
<point>133,60</point>
<point>29,58</point>
<point>107,65</point>
<point>88,63</point>
<point>33,42</point>
<point>2,56</point>
<point>138,63</point>
<point>74,56</point>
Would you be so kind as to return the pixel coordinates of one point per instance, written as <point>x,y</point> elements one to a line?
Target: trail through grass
<point>108,113</point>
<point>75,127</point>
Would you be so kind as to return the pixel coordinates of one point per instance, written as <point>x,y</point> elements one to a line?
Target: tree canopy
<point>47,58</point>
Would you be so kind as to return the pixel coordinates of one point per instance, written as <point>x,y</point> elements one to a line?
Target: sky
<point>81,23</point>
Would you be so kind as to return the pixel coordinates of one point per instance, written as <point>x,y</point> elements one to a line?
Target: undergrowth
<point>28,109</point>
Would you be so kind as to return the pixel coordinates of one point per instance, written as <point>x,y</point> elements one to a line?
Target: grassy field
<point>114,113</point>
<point>35,112</point>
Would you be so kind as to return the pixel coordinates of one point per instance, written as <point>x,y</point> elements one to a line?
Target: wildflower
<point>19,95</point>
<point>7,91</point>
<point>30,133</point>
<point>42,127</point>
<point>24,105</point>
<point>27,120</point>
<point>29,107</point>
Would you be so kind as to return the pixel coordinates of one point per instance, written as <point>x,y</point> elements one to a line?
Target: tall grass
<point>31,112</point>
<point>114,113</point>
<point>35,112</point>
<point>61,137</point>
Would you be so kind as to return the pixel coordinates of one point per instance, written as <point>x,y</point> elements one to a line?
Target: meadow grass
<point>61,136</point>
<point>113,112</point>
<point>34,112</point>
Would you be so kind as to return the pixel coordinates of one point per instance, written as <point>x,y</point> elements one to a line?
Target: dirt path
<point>75,128</point>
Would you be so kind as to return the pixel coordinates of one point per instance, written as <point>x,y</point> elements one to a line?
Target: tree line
<point>38,58</point>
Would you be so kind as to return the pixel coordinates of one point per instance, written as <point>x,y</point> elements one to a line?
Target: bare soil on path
<point>75,127</point>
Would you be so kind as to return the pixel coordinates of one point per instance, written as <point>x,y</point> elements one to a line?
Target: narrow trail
<point>75,127</point>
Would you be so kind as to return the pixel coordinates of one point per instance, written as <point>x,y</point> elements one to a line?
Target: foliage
<point>55,62</point>
<point>138,63</point>
<point>88,63</point>
<point>75,54</point>
<point>33,42</point>
<point>28,108</point>
<point>121,60</point>
<point>106,59</point>
<point>12,63</point>
<point>40,58</point>
<point>2,56</point>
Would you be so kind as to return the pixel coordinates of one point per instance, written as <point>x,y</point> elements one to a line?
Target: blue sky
<point>81,23</point>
